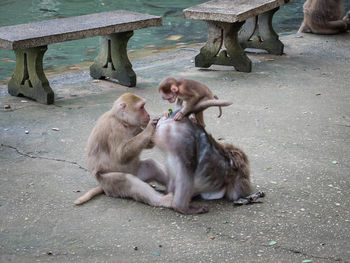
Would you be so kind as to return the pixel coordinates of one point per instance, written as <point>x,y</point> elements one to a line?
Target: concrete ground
<point>291,115</point>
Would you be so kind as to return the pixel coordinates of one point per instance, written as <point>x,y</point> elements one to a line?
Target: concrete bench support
<point>220,33</point>
<point>30,41</point>
<point>265,36</point>
<point>29,78</point>
<point>112,60</point>
<point>238,24</point>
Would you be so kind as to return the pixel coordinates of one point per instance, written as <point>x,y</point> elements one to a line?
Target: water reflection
<point>286,20</point>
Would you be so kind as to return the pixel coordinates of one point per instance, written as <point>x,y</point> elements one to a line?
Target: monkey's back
<point>100,155</point>
<point>190,144</point>
<point>321,11</point>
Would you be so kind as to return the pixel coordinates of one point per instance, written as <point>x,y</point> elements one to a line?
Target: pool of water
<point>175,28</point>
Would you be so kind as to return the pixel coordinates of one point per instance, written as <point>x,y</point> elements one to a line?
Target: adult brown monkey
<point>199,165</point>
<point>113,151</point>
<point>324,17</point>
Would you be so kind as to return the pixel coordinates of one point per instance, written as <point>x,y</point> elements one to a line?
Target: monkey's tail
<point>209,103</point>
<point>220,110</point>
<point>90,194</point>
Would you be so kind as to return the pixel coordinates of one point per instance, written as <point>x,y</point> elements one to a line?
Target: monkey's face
<point>133,113</point>
<point>143,115</point>
<point>170,96</point>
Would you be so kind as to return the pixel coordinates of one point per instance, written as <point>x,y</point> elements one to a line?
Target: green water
<point>12,12</point>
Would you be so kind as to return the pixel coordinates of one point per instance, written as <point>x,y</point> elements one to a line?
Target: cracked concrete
<point>291,115</point>
<point>43,157</point>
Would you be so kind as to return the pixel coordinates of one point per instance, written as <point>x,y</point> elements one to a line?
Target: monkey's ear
<point>122,106</point>
<point>174,88</point>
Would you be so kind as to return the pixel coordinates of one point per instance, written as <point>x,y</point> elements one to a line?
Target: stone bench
<point>29,42</point>
<point>238,24</point>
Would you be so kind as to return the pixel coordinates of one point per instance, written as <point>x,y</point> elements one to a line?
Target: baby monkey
<point>192,92</point>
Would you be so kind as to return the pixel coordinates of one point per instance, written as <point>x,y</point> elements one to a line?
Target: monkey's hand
<point>347,23</point>
<point>346,18</point>
<point>154,122</point>
<point>178,116</point>
<point>249,199</point>
<point>193,119</point>
<point>150,129</point>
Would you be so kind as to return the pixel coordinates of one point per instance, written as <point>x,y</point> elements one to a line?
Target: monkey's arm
<point>342,25</point>
<point>190,104</point>
<point>304,28</point>
<point>150,145</point>
<point>347,17</point>
<point>179,103</point>
<point>133,147</point>
<point>330,28</point>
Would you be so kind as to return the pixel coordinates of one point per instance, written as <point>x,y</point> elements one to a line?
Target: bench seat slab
<point>220,33</point>
<point>231,11</point>
<point>58,30</point>
<point>29,79</point>
<point>258,33</point>
<point>112,60</point>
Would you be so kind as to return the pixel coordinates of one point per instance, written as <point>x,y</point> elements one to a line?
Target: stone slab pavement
<point>291,115</point>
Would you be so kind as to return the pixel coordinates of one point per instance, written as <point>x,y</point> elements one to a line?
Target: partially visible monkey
<point>113,151</point>
<point>190,91</point>
<point>199,165</point>
<point>324,17</point>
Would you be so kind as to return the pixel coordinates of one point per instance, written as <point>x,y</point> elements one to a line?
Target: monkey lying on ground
<point>113,151</point>
<point>190,91</point>
<point>324,17</point>
<point>199,165</point>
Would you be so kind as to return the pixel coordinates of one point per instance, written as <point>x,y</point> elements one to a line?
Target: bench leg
<point>264,37</point>
<point>112,60</point>
<point>220,33</point>
<point>29,78</point>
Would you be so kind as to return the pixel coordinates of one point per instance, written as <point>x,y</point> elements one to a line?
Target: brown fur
<point>238,176</point>
<point>190,91</point>
<point>113,154</point>
<point>324,17</point>
<point>238,172</point>
<point>201,166</point>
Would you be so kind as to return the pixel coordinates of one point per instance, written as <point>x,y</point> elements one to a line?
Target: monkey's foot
<point>197,210</point>
<point>191,210</point>
<point>167,200</point>
<point>249,199</point>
